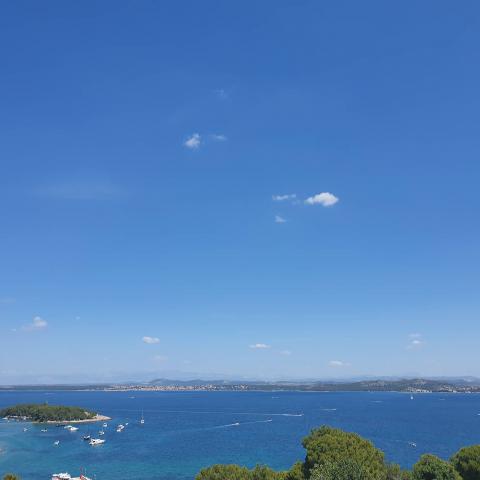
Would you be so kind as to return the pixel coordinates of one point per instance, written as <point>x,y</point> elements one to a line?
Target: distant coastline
<point>411,386</point>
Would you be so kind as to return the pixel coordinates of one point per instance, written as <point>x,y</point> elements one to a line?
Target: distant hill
<point>374,385</point>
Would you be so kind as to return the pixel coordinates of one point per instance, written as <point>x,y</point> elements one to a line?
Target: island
<point>45,413</point>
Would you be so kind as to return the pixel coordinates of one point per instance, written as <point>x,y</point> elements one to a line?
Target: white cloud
<point>259,346</point>
<point>150,340</point>
<point>218,137</point>
<point>279,219</point>
<point>221,94</point>
<point>287,353</point>
<point>338,364</point>
<point>281,198</point>
<point>415,341</point>
<point>38,323</point>
<point>193,142</point>
<point>325,199</point>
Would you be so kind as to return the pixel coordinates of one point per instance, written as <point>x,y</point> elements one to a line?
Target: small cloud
<point>338,364</point>
<point>259,346</point>
<point>38,323</point>
<point>221,94</point>
<point>150,340</point>
<point>193,142</point>
<point>325,199</point>
<point>287,353</point>
<point>218,137</point>
<point>279,219</point>
<point>415,341</point>
<point>282,198</point>
<point>160,358</point>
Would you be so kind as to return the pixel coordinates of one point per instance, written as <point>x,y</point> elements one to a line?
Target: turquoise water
<point>185,431</point>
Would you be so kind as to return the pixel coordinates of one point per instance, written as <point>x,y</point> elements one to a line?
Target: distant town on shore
<point>417,385</point>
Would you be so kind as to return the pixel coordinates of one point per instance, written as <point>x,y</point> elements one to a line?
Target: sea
<point>186,431</point>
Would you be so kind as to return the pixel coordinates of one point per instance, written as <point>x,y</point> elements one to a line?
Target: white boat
<point>68,427</point>
<point>44,430</point>
<point>67,476</point>
<point>56,442</point>
<point>96,441</point>
<point>73,429</point>
<point>120,428</point>
<point>61,476</point>
<point>105,425</point>
<point>25,429</point>
<point>411,397</point>
<point>101,432</point>
<point>412,444</point>
<point>142,421</point>
<point>126,423</point>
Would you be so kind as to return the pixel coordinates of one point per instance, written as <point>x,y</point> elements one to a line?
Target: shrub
<point>467,462</point>
<point>331,446</point>
<point>430,467</point>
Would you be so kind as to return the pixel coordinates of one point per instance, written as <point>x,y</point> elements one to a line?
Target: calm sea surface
<point>184,432</point>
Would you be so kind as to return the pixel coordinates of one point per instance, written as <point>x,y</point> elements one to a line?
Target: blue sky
<point>269,189</point>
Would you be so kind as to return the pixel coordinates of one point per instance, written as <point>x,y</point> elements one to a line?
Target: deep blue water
<point>185,431</point>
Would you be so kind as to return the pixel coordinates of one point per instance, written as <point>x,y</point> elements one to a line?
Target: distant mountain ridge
<point>399,385</point>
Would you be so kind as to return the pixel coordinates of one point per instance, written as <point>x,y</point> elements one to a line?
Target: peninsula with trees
<point>44,413</point>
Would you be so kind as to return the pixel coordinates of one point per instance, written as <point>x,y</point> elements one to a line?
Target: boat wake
<point>237,424</point>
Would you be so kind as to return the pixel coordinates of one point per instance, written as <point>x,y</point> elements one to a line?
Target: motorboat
<point>56,442</point>
<point>61,476</point>
<point>96,441</point>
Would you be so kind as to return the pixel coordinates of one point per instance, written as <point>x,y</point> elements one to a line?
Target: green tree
<point>394,472</point>
<point>430,467</point>
<point>467,462</point>
<point>224,472</point>
<point>296,472</point>
<point>344,469</point>
<point>261,472</point>
<point>235,472</point>
<point>326,445</point>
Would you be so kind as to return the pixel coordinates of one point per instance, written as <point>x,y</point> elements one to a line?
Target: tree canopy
<point>330,446</point>
<point>332,454</point>
<point>430,467</point>
<point>235,472</point>
<point>467,462</point>
<point>46,413</point>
